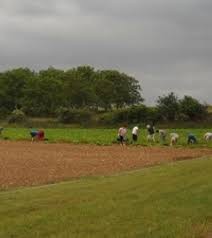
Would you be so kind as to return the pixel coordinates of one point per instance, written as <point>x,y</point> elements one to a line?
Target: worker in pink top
<point>122,133</point>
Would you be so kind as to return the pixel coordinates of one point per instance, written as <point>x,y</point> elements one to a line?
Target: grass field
<point>169,201</point>
<point>98,136</point>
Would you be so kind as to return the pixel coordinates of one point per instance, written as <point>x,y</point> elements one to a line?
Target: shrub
<point>17,116</point>
<point>79,116</point>
<point>153,115</point>
<point>135,114</point>
<point>4,113</point>
<point>106,119</point>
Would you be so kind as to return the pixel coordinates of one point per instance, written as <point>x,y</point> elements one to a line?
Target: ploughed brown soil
<point>26,163</point>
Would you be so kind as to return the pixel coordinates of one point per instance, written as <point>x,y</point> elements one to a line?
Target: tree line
<point>169,109</point>
<point>83,93</point>
<point>42,93</point>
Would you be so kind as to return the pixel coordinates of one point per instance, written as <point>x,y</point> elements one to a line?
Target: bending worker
<point>192,139</point>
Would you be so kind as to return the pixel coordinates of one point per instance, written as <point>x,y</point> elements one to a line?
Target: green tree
<point>192,108</point>
<point>104,89</point>
<point>79,87</point>
<point>42,93</point>
<point>168,106</point>
<point>12,85</point>
<point>42,96</point>
<point>118,89</point>
<point>52,73</point>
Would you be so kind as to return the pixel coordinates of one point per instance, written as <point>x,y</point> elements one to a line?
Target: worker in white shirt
<point>173,139</point>
<point>135,132</point>
<point>208,136</point>
<point>162,135</point>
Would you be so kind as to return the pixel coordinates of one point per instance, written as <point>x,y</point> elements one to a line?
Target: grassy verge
<point>99,136</point>
<point>172,201</point>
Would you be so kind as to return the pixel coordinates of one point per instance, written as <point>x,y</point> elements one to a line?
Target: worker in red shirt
<point>37,134</point>
<point>41,135</point>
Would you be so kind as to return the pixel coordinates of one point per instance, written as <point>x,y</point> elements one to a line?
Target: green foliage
<point>42,93</point>
<point>12,84</point>
<point>79,87</point>
<point>118,89</point>
<point>168,107</point>
<point>78,116</point>
<point>192,109</point>
<point>104,90</point>
<point>17,116</point>
<point>186,109</point>
<point>42,96</point>
<point>135,114</point>
<point>4,113</point>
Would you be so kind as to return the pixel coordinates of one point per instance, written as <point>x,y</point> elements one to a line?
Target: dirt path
<point>25,163</point>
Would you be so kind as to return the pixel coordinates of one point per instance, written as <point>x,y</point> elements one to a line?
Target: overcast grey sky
<point>165,44</point>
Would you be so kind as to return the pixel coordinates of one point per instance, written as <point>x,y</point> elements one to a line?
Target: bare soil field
<point>28,164</point>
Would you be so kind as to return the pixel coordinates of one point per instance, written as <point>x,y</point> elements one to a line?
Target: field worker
<point>122,133</point>
<point>192,139</point>
<point>135,132</point>
<point>162,135</point>
<point>151,133</point>
<point>174,138</point>
<point>34,134</point>
<point>208,136</point>
<point>41,135</point>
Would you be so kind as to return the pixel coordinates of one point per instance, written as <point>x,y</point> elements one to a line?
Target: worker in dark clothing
<point>192,139</point>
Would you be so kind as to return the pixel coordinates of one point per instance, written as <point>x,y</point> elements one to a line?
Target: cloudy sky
<point>165,44</point>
